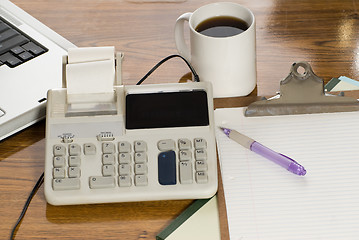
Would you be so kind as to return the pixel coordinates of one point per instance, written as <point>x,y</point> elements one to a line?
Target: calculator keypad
<point>187,165</point>
<point>167,161</point>
<point>125,164</point>
<point>66,172</point>
<point>132,165</point>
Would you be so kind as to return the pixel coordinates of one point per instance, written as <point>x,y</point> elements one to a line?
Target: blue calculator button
<point>167,168</point>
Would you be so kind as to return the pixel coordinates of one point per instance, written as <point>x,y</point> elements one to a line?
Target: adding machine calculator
<point>148,142</point>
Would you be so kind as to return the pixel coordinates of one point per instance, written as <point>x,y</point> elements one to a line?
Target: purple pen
<point>280,159</point>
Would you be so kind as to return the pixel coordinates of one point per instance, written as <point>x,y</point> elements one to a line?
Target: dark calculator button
<point>17,50</point>
<point>167,168</point>
<point>33,48</point>
<point>7,34</point>
<point>25,56</point>
<point>12,42</point>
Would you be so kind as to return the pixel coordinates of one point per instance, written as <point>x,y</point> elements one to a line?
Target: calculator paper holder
<point>301,93</point>
<point>90,76</point>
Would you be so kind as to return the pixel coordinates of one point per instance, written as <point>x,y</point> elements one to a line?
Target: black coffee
<point>222,26</point>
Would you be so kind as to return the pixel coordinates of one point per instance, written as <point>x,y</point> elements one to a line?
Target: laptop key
<point>33,48</point>
<point>12,42</point>
<point>10,60</point>
<point>25,56</point>
<point>17,50</point>
<point>13,62</point>
<point>3,27</point>
<point>7,34</point>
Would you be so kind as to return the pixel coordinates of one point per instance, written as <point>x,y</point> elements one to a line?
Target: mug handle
<point>179,36</point>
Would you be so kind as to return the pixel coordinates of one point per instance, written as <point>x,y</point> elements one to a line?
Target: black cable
<point>195,76</point>
<point>32,194</point>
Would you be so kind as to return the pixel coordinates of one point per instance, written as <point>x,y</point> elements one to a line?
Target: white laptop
<point>30,64</point>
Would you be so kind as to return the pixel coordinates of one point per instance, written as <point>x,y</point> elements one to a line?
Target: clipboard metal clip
<point>302,93</point>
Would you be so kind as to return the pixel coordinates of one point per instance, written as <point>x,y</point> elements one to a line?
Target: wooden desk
<point>320,32</point>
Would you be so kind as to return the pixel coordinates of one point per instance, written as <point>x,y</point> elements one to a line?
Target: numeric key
<point>108,147</point>
<point>102,182</point>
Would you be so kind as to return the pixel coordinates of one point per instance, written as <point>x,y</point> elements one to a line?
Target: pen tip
<point>295,168</point>
<point>225,130</point>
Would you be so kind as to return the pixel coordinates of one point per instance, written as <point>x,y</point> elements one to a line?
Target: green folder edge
<point>334,81</point>
<point>194,207</point>
<point>331,84</point>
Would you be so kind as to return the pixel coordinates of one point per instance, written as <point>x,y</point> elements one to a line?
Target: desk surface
<point>320,32</point>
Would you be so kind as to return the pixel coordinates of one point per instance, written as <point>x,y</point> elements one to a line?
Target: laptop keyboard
<point>15,46</point>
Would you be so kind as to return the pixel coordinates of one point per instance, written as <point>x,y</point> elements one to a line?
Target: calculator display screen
<point>167,109</point>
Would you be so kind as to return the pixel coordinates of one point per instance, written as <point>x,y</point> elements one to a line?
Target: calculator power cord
<point>41,178</point>
<point>26,206</point>
<point>195,76</point>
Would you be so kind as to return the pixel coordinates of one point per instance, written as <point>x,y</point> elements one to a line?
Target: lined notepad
<point>265,201</point>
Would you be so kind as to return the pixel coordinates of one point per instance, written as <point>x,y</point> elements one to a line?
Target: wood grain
<point>324,33</point>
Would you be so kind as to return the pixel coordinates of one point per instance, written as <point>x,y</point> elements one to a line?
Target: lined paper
<point>265,201</point>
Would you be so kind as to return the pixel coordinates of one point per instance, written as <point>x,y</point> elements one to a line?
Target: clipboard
<point>302,93</point>
<point>263,200</point>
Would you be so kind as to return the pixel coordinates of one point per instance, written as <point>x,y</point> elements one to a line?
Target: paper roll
<point>90,74</point>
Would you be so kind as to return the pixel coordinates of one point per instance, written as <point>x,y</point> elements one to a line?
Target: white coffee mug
<point>229,63</point>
